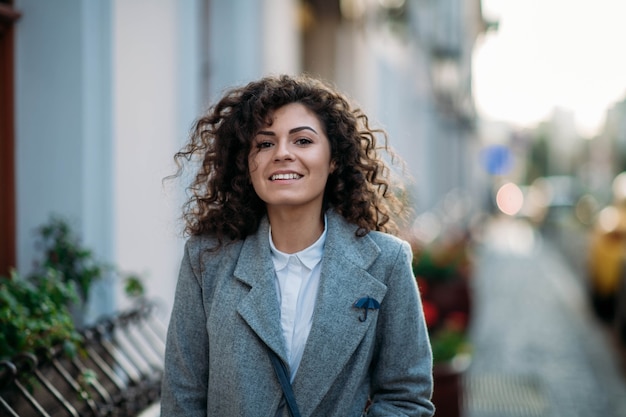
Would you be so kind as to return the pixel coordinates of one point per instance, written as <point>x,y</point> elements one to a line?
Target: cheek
<point>329,164</point>
<point>322,175</point>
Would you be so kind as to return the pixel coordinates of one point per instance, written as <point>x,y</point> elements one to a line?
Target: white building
<point>105,93</point>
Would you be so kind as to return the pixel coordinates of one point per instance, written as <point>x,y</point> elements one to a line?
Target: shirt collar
<point>309,257</point>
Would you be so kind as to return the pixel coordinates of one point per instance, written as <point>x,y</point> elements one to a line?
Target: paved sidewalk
<point>538,351</point>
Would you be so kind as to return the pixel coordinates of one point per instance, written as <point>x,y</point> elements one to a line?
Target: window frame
<point>8,17</point>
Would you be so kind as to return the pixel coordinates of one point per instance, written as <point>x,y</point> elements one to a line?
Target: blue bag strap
<point>281,373</point>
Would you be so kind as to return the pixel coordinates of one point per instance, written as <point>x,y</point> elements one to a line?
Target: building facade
<point>106,93</point>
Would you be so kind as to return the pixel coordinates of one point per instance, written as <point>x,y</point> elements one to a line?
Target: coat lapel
<point>259,308</point>
<point>336,331</point>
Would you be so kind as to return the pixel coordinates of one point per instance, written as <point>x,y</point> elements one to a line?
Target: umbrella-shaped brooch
<point>366,303</point>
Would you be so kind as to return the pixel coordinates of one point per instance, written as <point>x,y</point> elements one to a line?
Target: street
<point>537,348</point>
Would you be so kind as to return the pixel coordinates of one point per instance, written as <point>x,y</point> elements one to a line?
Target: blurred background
<point>510,116</point>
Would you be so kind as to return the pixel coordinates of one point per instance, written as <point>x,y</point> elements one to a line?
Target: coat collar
<point>344,279</point>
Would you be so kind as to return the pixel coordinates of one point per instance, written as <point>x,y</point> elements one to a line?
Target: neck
<point>293,232</point>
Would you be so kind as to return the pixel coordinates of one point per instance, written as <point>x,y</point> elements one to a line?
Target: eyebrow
<point>294,130</point>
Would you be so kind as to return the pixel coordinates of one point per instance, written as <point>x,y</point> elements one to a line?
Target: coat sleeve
<point>185,378</point>
<point>401,377</point>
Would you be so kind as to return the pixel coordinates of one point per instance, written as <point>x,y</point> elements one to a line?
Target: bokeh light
<point>510,199</point>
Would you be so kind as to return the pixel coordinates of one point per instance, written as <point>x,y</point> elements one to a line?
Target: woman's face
<point>290,160</point>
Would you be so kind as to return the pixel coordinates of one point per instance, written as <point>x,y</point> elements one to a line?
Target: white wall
<point>281,44</point>
<point>234,34</point>
<point>156,81</point>
<point>105,95</point>
<point>247,39</point>
<point>63,126</point>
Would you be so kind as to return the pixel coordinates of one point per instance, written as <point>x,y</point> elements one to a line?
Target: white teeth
<point>291,176</point>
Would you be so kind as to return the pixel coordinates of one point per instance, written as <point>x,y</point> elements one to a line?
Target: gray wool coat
<point>226,315</point>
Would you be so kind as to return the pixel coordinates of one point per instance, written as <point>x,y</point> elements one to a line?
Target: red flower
<point>431,313</point>
<point>422,284</point>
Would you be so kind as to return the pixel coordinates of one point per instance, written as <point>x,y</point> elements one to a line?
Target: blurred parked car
<point>607,252</point>
<point>556,197</point>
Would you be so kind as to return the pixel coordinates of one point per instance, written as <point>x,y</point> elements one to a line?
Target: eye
<point>303,141</point>
<point>263,144</point>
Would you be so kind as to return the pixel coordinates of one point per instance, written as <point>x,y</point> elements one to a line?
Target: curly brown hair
<point>222,201</point>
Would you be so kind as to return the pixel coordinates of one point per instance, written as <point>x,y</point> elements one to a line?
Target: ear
<point>333,166</point>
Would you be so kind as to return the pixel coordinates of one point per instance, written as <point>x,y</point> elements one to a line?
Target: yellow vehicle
<point>607,250</point>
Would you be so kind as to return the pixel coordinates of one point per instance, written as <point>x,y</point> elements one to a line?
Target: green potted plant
<point>34,314</point>
<point>38,311</point>
<point>63,252</point>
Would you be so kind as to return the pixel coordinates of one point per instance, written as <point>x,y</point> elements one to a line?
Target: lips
<point>288,176</point>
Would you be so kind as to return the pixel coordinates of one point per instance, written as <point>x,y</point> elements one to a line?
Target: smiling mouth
<point>290,176</point>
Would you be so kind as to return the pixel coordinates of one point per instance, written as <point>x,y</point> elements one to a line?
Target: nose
<point>282,151</point>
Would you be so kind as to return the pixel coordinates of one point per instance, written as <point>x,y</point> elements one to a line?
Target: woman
<point>287,218</point>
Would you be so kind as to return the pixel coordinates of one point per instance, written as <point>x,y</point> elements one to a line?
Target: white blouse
<point>298,277</point>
